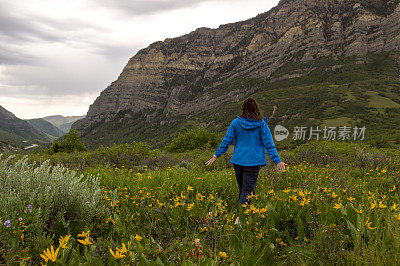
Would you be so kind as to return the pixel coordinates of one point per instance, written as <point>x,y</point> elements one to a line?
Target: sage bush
<point>40,202</point>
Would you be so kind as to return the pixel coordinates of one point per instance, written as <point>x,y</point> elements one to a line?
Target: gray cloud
<point>11,57</point>
<point>23,29</point>
<point>147,7</point>
<point>116,51</point>
<point>28,70</point>
<point>18,33</point>
<point>51,61</point>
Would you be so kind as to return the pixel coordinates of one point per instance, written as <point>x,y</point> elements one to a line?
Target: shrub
<point>70,143</point>
<point>193,139</point>
<point>39,202</point>
<point>132,155</point>
<point>341,153</point>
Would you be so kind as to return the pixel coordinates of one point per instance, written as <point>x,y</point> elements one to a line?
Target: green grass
<point>349,96</point>
<point>336,122</point>
<point>337,203</point>
<point>380,102</point>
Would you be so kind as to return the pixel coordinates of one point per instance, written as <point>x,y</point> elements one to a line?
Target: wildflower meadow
<point>337,203</point>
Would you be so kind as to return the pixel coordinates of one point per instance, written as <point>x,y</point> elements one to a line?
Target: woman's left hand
<point>211,161</point>
<point>281,166</point>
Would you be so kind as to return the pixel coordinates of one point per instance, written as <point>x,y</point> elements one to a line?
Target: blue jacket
<point>252,138</point>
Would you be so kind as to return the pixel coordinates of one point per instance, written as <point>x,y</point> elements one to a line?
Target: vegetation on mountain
<point>46,127</point>
<point>353,95</point>
<point>17,132</point>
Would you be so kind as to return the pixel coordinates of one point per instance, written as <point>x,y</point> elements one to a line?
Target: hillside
<point>320,62</point>
<point>46,127</point>
<point>17,132</point>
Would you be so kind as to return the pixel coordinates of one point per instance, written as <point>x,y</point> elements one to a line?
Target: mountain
<point>17,132</point>
<point>67,126</point>
<point>64,123</point>
<point>4,114</point>
<point>320,62</point>
<point>46,127</point>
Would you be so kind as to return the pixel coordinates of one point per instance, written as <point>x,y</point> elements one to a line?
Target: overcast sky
<point>56,56</point>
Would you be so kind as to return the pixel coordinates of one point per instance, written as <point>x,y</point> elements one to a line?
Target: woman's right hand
<point>281,166</point>
<point>211,161</point>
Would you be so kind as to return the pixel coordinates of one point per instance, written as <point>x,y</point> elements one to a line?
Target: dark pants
<point>246,176</point>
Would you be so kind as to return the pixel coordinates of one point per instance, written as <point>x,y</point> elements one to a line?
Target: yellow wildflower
<point>138,237</point>
<point>85,242</point>
<point>373,205</point>
<point>294,198</point>
<point>199,196</point>
<point>189,188</point>
<point>358,211</point>
<point>64,241</point>
<point>84,234</point>
<point>368,225</point>
<point>280,242</point>
<point>117,255</point>
<point>262,210</point>
<point>287,190</point>
<point>222,254</point>
<point>190,207</point>
<point>50,254</point>
<point>381,205</point>
<point>351,199</point>
<point>371,195</point>
<point>334,195</point>
<point>397,216</point>
<point>305,201</point>
<point>394,207</point>
<point>337,205</point>
<point>123,249</point>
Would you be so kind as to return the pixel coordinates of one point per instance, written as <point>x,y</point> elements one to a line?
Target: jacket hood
<point>250,124</point>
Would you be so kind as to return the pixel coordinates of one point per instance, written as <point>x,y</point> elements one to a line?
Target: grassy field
<point>337,203</point>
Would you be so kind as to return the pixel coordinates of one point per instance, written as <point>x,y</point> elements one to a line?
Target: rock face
<point>197,71</point>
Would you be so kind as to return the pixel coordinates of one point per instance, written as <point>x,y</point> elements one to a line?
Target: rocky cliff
<point>208,67</point>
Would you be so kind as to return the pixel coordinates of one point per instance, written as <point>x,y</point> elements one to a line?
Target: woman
<point>252,137</point>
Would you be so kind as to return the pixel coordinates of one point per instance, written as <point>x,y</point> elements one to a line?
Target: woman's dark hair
<point>251,109</point>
